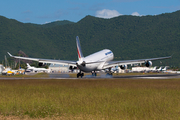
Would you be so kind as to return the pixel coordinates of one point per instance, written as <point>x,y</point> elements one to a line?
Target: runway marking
<point>152,78</point>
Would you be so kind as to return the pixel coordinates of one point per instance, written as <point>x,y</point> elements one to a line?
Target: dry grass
<point>90,99</point>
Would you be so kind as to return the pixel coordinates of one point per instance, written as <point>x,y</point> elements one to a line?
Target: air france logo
<point>108,53</point>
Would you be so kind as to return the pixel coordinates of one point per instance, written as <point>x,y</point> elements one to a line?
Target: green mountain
<point>129,37</point>
<point>53,24</point>
<point>57,23</point>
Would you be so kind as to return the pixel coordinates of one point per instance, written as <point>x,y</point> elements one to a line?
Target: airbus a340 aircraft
<point>95,62</point>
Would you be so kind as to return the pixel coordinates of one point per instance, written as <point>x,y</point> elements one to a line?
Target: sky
<point>45,11</point>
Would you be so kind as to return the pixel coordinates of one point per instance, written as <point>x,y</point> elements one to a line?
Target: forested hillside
<point>129,37</point>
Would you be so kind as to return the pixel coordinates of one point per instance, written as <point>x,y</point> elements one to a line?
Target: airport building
<point>140,69</point>
<point>59,68</point>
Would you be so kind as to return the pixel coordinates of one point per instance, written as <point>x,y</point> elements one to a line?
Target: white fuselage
<point>34,69</point>
<point>96,61</point>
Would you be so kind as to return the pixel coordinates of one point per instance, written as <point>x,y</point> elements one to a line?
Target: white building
<point>140,69</point>
<point>59,68</point>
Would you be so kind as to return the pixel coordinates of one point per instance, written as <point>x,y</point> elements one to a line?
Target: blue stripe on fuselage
<point>108,53</point>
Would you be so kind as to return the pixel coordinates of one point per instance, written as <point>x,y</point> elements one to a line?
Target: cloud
<point>106,13</point>
<point>135,14</point>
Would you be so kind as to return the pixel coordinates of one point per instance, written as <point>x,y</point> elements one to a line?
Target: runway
<point>101,76</point>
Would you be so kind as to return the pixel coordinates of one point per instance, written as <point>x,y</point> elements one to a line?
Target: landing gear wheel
<point>94,74</point>
<point>82,74</point>
<point>78,75</point>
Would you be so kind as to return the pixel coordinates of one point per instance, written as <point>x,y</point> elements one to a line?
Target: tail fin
<point>80,55</point>
<point>28,65</point>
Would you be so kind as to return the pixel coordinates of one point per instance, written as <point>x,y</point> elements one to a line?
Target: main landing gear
<point>94,73</point>
<point>109,72</point>
<point>80,74</point>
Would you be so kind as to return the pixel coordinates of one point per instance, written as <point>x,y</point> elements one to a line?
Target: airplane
<point>98,61</point>
<point>159,69</point>
<point>9,71</point>
<point>34,69</point>
<point>165,68</point>
<point>153,69</point>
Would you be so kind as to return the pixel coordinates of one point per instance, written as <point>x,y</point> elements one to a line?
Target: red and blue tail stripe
<point>80,55</point>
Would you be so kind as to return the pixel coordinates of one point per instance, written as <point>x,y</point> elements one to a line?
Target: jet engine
<point>123,67</point>
<point>72,67</point>
<point>41,64</point>
<point>148,63</point>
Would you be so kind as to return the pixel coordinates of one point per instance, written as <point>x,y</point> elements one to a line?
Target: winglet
<point>172,55</point>
<point>9,54</point>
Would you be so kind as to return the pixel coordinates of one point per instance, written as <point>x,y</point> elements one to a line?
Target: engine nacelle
<point>148,64</point>
<point>41,64</point>
<point>72,67</point>
<point>123,67</point>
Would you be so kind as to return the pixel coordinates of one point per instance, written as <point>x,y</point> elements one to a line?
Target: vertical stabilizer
<point>28,66</point>
<point>80,55</point>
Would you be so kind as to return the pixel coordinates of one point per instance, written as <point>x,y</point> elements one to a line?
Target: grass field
<point>90,99</point>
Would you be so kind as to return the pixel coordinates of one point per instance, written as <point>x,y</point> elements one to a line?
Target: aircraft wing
<point>128,62</point>
<point>64,62</point>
